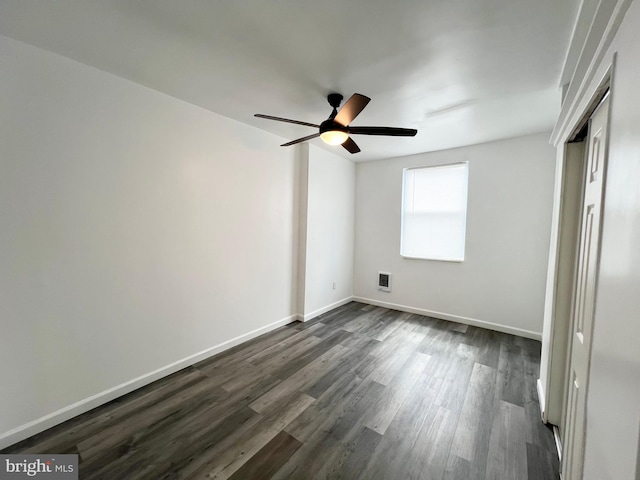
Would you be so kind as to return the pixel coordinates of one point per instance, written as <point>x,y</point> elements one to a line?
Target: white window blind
<point>434,212</point>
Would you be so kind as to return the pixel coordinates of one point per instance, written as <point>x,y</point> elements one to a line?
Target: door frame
<point>570,164</point>
<point>579,259</point>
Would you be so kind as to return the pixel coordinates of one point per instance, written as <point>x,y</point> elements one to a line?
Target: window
<point>434,212</point>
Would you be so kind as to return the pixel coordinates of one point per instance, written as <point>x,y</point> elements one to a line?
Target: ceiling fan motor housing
<point>332,125</point>
<point>333,133</point>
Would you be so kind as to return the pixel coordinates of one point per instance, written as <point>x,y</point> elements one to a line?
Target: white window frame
<point>403,213</point>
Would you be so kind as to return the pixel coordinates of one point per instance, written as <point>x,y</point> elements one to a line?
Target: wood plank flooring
<point>361,392</point>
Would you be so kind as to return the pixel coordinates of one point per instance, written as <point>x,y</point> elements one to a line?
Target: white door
<point>584,294</point>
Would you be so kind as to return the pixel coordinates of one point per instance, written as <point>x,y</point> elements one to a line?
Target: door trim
<point>584,291</point>
<point>565,221</point>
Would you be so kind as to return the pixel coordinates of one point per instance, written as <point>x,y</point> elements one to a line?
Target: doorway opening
<point>582,179</point>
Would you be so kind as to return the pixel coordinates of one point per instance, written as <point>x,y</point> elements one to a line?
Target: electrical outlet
<point>334,285</point>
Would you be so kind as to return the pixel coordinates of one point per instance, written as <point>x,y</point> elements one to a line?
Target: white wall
<point>136,231</point>
<point>501,282</point>
<point>613,399</point>
<point>613,404</point>
<point>612,444</point>
<point>330,204</point>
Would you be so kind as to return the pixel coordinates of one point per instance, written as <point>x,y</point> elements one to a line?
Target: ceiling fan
<point>336,130</point>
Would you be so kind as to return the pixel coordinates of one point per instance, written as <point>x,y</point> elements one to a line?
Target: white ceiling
<point>460,71</point>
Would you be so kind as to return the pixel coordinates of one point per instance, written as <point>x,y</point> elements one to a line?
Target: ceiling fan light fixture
<point>334,137</point>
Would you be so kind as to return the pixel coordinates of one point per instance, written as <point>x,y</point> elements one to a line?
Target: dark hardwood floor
<point>360,392</point>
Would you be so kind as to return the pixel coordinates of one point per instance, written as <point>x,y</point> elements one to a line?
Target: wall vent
<point>384,281</point>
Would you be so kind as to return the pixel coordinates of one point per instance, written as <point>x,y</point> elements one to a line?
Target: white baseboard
<point>541,400</point>
<point>43,423</point>
<point>454,318</point>
<point>320,311</point>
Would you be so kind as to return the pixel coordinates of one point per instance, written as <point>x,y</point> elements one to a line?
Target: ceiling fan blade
<point>391,131</point>
<point>287,120</point>
<point>351,109</point>
<point>351,146</point>
<point>300,140</point>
